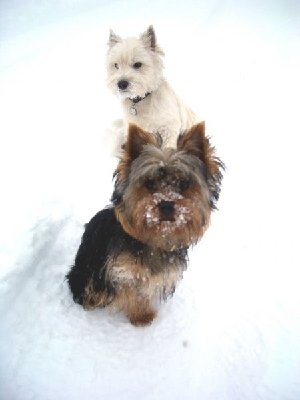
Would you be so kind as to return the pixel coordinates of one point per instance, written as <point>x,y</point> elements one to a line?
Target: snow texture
<point>232,329</point>
<point>152,215</point>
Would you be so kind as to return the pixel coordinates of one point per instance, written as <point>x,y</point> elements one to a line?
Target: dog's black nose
<point>123,84</point>
<point>166,208</point>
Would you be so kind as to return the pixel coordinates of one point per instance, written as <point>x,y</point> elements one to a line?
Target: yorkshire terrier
<point>133,253</point>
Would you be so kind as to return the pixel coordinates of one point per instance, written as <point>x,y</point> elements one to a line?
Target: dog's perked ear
<point>136,140</point>
<point>113,39</point>
<point>195,142</point>
<point>149,38</point>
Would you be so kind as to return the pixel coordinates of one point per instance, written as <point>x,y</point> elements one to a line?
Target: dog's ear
<point>195,142</point>
<point>113,39</point>
<point>149,38</point>
<point>131,149</point>
<point>137,138</point>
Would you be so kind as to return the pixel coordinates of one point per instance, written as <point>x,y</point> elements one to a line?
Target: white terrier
<point>134,68</point>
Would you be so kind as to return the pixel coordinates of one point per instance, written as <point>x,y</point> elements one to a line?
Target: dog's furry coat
<point>138,63</point>
<point>133,254</point>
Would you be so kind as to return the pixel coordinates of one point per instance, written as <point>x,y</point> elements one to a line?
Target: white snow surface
<point>232,329</point>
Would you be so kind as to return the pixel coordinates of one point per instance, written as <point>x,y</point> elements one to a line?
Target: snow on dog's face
<point>163,196</point>
<point>134,65</point>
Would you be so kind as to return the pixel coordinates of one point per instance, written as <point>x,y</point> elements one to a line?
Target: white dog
<point>135,68</point>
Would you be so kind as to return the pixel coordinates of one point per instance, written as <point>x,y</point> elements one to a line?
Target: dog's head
<point>134,65</point>
<point>163,196</point>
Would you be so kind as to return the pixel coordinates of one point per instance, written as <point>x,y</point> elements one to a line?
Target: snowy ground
<point>232,330</point>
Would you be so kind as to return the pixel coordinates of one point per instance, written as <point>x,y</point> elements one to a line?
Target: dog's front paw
<point>142,319</point>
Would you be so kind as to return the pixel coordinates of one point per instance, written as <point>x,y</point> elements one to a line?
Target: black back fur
<point>104,237</point>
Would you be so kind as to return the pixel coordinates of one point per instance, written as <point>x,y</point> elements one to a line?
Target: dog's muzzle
<point>166,210</point>
<point>123,85</point>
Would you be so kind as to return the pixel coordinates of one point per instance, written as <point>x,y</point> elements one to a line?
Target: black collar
<point>137,99</point>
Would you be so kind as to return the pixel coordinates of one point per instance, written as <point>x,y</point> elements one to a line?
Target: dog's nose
<point>123,84</point>
<point>166,208</point>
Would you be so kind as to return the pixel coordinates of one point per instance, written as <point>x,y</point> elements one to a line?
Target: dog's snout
<point>123,84</point>
<point>166,208</point>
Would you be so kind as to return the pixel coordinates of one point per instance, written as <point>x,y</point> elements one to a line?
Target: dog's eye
<point>184,184</point>
<point>116,66</point>
<point>137,65</point>
<point>150,184</point>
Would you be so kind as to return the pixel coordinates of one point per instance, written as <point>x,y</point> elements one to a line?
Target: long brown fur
<point>193,147</point>
<point>134,253</point>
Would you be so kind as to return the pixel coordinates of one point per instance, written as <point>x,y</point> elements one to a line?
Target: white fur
<point>161,111</point>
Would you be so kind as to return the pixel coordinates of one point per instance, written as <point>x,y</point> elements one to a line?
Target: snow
<point>181,214</point>
<point>232,329</point>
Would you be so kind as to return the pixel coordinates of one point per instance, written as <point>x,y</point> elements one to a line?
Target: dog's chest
<point>151,112</point>
<point>153,283</point>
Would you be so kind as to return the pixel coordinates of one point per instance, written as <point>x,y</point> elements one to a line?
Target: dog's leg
<point>138,318</point>
<point>96,298</point>
<point>138,308</point>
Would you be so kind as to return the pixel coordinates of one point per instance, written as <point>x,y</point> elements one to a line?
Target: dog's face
<point>164,197</point>
<point>134,65</point>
